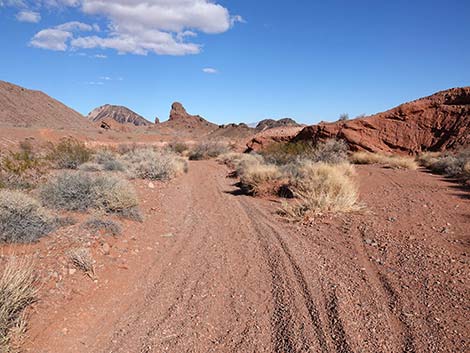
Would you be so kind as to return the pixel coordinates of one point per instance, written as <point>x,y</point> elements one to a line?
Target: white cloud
<point>210,70</point>
<point>56,38</point>
<point>52,39</point>
<point>144,26</point>
<point>28,16</point>
<point>95,83</point>
<point>100,56</point>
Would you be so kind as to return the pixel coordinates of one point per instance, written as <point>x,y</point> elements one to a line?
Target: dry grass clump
<point>80,192</point>
<point>69,153</point>
<point>81,258</point>
<point>21,170</point>
<point>240,161</point>
<point>154,165</point>
<point>22,219</point>
<point>207,150</point>
<point>106,226</point>
<point>90,167</point>
<point>17,292</point>
<point>321,187</point>
<point>454,165</point>
<point>258,179</point>
<point>390,161</point>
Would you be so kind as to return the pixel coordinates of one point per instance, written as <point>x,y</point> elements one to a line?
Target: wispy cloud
<point>210,70</point>
<point>28,16</point>
<point>56,38</point>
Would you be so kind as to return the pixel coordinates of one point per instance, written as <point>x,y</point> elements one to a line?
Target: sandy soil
<point>211,270</point>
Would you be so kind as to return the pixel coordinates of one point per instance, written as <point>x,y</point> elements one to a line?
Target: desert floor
<point>211,270</point>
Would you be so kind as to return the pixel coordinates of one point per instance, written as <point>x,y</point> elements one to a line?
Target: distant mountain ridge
<point>118,113</point>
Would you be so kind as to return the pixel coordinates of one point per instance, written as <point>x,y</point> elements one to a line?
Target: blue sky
<point>310,60</point>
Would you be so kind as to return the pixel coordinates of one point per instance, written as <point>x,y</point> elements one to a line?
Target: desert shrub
<point>90,167</point>
<point>343,117</point>
<point>260,178</point>
<point>390,161</point>
<point>17,292</point>
<point>207,150</point>
<point>22,219</point>
<point>330,151</point>
<point>109,161</point>
<point>69,153</point>
<point>454,165</point>
<point>106,226</point>
<point>154,165</point>
<point>79,192</point>
<point>21,170</point>
<point>321,187</point>
<point>178,147</point>
<point>284,153</point>
<point>81,258</point>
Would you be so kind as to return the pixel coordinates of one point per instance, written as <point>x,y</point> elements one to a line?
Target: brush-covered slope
<point>119,114</point>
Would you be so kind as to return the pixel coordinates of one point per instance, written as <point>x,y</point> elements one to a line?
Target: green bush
<point>22,219</point>
<point>69,153</point>
<point>330,151</point>
<point>21,170</point>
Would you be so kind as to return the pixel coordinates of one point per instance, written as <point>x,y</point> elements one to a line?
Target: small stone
<point>106,248</point>
<point>72,271</point>
<point>151,185</point>
<point>168,235</point>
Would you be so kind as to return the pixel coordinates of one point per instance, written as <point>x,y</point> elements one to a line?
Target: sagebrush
<point>22,218</point>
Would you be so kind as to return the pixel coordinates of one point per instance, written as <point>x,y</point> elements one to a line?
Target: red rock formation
<point>274,135</point>
<point>435,123</point>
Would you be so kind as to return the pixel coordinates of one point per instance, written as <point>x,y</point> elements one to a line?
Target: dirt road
<point>219,272</point>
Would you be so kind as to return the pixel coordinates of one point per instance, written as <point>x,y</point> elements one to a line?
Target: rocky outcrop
<point>435,123</point>
<point>275,135</point>
<point>22,107</point>
<point>181,119</point>
<point>119,114</point>
<point>271,123</point>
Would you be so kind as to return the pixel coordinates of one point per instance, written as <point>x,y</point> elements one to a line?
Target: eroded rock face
<point>178,112</point>
<point>119,114</point>
<point>435,123</point>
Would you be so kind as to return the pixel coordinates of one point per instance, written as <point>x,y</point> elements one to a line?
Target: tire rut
<point>281,315</point>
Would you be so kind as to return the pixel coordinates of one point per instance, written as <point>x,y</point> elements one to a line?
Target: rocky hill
<point>21,107</point>
<point>271,123</point>
<point>117,113</point>
<point>435,123</point>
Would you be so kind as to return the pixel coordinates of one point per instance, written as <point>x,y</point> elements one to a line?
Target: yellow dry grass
<point>390,161</point>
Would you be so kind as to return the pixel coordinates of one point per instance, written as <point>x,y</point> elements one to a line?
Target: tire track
<point>272,253</point>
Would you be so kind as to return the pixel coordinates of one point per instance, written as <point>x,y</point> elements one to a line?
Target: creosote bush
<point>21,170</point>
<point>178,147</point>
<point>154,165</point>
<point>208,150</point>
<point>69,153</point>
<point>330,151</point>
<point>17,292</point>
<point>22,218</point>
<point>77,191</point>
<point>390,161</point>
